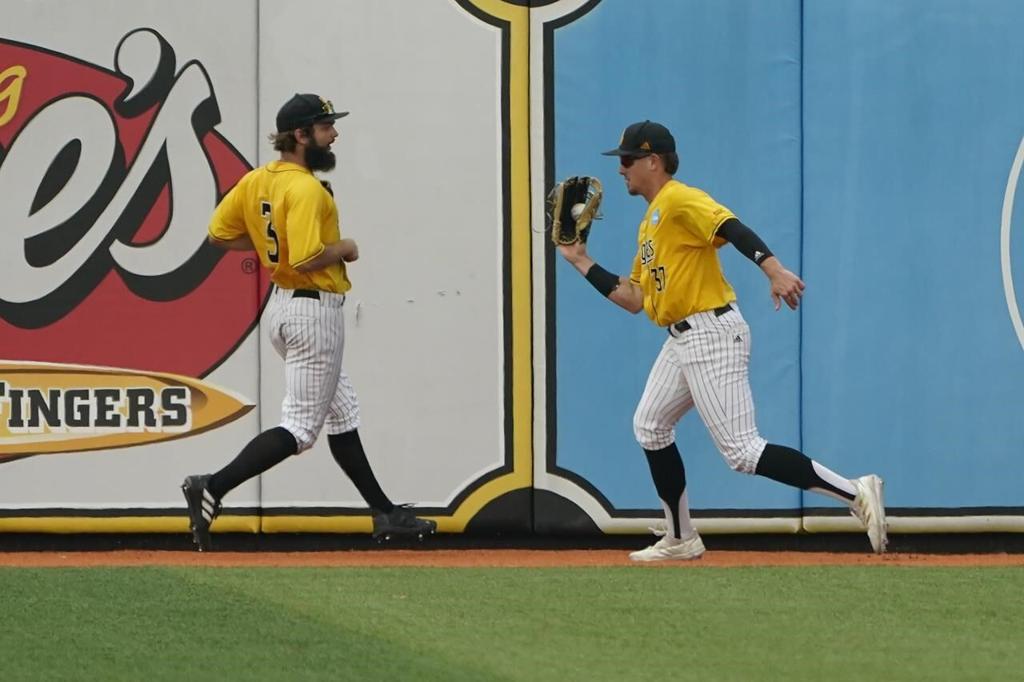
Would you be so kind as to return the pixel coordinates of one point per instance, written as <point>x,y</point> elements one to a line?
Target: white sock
<point>686,528</point>
<point>834,479</point>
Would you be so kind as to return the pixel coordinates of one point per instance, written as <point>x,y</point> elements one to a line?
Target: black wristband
<point>604,281</point>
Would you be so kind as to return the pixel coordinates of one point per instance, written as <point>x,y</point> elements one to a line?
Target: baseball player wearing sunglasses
<point>677,280</point>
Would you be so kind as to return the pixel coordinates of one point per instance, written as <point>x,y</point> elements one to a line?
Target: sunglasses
<point>628,161</point>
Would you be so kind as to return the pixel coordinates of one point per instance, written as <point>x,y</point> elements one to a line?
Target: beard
<point>319,158</point>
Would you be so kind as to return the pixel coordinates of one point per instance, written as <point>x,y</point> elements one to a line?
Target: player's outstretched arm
<point>618,290</point>
<point>785,286</point>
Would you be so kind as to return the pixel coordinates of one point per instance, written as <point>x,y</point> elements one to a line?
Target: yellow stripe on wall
<point>518,20</point>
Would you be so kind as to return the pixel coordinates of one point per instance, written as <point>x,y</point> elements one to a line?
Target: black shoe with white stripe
<point>203,508</point>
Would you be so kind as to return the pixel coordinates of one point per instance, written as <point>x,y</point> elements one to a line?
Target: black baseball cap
<point>645,137</point>
<point>304,110</point>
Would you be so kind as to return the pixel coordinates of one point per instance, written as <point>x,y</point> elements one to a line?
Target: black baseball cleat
<point>401,522</point>
<point>203,508</point>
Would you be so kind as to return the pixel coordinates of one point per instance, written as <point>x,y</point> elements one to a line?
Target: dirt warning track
<point>471,558</point>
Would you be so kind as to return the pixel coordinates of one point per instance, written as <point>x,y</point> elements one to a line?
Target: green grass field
<point>623,623</point>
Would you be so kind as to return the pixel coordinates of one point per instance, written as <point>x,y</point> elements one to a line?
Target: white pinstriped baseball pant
<point>707,367</point>
<point>309,334</point>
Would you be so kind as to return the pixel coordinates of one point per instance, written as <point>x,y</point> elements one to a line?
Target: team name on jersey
<point>647,251</point>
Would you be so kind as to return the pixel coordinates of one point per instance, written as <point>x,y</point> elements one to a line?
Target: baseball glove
<point>578,191</point>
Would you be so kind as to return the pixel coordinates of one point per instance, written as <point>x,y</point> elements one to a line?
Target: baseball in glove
<point>572,206</point>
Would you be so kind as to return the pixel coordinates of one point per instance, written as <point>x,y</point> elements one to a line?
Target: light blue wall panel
<point>914,111</point>
<point>725,78</point>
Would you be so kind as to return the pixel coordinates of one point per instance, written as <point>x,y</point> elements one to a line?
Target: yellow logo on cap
<point>646,146</point>
<point>326,105</point>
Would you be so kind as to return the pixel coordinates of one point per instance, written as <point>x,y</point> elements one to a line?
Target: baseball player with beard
<point>289,217</point>
<point>677,280</point>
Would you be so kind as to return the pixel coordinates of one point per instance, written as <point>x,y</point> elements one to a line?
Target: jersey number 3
<point>272,256</point>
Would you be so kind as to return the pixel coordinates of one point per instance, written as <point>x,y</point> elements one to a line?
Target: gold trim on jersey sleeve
<point>323,247</point>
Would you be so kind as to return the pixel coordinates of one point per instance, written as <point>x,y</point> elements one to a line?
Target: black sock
<point>348,452</point>
<point>264,451</point>
<point>794,468</point>
<point>669,478</point>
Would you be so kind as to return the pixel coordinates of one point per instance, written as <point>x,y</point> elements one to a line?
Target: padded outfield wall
<point>876,146</point>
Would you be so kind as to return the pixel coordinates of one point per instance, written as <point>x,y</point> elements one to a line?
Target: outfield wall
<point>876,146</point>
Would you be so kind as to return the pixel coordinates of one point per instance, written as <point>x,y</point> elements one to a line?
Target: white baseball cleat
<point>870,509</point>
<point>669,549</point>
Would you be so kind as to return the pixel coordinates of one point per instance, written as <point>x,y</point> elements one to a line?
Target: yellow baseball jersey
<point>290,217</point>
<point>676,263</point>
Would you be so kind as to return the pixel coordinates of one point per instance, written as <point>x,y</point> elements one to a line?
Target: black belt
<point>306,293</point>
<point>683,326</point>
